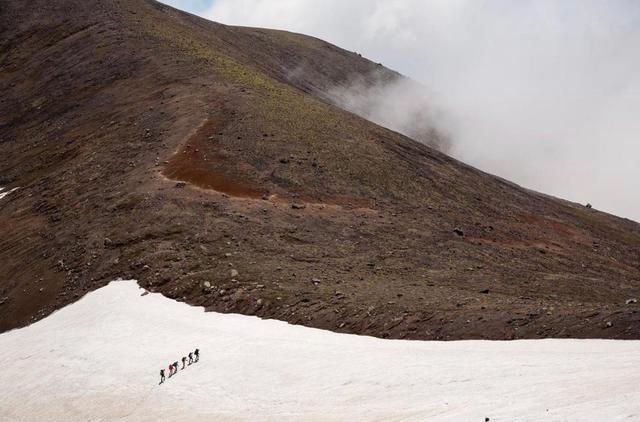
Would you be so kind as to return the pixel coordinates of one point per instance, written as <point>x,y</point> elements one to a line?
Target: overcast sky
<point>544,93</point>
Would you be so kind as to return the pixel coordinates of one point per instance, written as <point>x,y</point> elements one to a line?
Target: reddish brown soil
<point>150,144</point>
<point>202,162</point>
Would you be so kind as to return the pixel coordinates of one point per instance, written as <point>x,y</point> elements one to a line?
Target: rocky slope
<point>193,156</point>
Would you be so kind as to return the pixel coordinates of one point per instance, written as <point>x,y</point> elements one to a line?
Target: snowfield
<point>99,359</point>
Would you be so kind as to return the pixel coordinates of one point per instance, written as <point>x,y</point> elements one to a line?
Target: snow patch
<point>99,359</point>
<point>3,194</point>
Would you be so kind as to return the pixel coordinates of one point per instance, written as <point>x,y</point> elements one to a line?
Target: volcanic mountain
<point>143,142</point>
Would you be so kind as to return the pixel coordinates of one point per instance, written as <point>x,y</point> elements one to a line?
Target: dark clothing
<point>161,376</point>
<point>184,360</point>
<point>197,353</point>
<point>190,358</point>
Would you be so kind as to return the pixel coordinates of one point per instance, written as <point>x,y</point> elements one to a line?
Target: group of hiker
<point>192,357</point>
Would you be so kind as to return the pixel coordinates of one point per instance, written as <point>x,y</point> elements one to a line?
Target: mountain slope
<point>207,162</point>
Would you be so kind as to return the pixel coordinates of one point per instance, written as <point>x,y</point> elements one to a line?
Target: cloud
<point>545,93</point>
<point>400,104</point>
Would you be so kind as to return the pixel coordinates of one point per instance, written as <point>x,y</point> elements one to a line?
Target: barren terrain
<point>147,143</point>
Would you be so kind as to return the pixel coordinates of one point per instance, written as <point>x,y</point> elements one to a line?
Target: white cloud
<point>545,93</point>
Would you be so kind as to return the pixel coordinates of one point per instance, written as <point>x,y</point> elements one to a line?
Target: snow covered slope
<point>98,359</point>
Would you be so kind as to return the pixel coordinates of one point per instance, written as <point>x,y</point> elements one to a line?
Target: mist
<point>544,93</point>
<point>399,104</point>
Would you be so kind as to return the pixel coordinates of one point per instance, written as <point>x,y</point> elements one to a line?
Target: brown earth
<point>150,144</point>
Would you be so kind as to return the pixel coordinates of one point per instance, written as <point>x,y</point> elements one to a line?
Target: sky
<point>544,93</point>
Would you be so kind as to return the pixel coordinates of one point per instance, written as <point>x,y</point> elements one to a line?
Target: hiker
<point>184,361</point>
<point>197,353</point>
<point>175,367</point>
<point>170,370</point>
<point>190,358</point>
<point>161,376</point>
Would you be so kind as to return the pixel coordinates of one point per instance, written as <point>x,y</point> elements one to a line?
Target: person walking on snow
<point>170,370</point>
<point>175,367</point>
<point>184,361</point>
<point>190,358</point>
<point>161,376</point>
<point>197,353</point>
